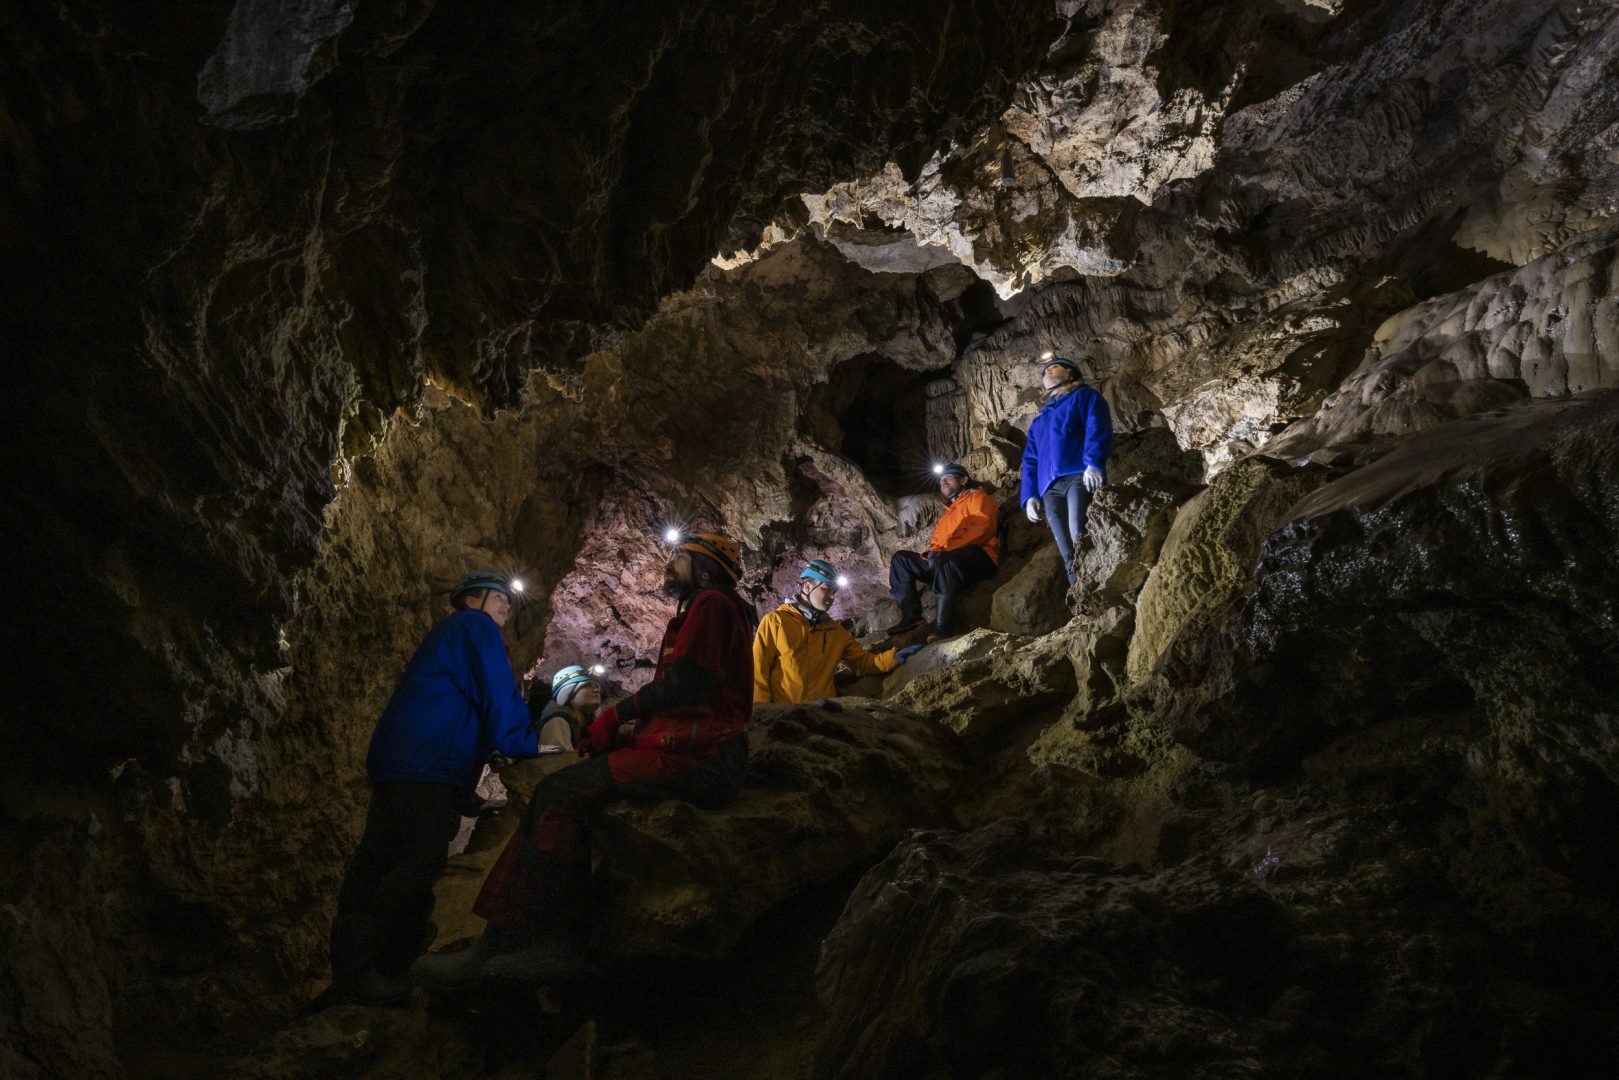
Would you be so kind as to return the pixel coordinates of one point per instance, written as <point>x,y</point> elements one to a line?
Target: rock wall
<point>325,303</point>
<point>256,238</point>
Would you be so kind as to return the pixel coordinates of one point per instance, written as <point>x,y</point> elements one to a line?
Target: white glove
<point>1093,480</point>
<point>1032,508</point>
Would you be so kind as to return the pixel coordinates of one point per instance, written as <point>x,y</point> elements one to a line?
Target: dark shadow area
<point>874,412</point>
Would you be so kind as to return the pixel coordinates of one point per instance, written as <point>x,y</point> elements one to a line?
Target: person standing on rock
<point>456,703</point>
<point>576,695</point>
<point>798,647</point>
<point>963,549</point>
<point>681,736</point>
<point>1065,458</point>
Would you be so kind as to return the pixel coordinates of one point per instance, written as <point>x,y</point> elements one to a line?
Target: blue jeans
<point>1066,501</point>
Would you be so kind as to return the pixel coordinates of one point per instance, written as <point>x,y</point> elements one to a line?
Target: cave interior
<point>318,304</point>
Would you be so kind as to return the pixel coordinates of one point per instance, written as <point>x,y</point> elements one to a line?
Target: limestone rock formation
<point>319,304</point>
<point>828,792</point>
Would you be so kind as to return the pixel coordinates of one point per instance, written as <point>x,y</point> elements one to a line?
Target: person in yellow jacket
<point>965,548</point>
<point>798,647</point>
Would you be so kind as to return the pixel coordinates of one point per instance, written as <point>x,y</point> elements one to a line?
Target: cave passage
<point>880,411</point>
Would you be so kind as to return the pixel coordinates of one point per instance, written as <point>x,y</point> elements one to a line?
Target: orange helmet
<point>725,552</point>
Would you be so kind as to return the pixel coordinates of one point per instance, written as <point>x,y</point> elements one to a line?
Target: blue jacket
<point>456,702</point>
<point>1071,433</point>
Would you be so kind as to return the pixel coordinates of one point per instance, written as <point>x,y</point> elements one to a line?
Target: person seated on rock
<point>798,647</point>
<point>1065,458</point>
<point>576,695</point>
<point>456,703</point>
<point>963,549</point>
<point>681,736</point>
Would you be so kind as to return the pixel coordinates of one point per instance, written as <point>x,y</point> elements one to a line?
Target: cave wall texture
<point>316,304</point>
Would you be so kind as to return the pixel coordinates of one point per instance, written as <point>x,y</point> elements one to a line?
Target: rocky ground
<point>1311,774</point>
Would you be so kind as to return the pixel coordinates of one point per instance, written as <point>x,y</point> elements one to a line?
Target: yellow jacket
<point>794,661</point>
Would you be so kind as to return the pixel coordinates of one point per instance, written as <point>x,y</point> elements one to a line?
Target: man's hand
<point>907,652</point>
<point>1032,508</point>
<point>1093,480</point>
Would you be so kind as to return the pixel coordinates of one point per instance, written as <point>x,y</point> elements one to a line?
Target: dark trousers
<point>1066,502</point>
<point>948,572</point>
<point>386,903</point>
<point>540,885</point>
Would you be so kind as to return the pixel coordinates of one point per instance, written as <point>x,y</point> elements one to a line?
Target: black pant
<point>386,902</point>
<point>949,572</point>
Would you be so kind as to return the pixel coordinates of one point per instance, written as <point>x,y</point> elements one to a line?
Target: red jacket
<point>702,691</point>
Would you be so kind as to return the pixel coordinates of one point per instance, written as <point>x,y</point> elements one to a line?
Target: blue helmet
<point>481,579</point>
<point>953,469</point>
<point>566,683</point>
<point>820,570</point>
<point>1047,359</point>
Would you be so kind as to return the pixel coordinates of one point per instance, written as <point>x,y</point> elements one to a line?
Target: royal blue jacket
<point>1071,433</point>
<point>456,702</point>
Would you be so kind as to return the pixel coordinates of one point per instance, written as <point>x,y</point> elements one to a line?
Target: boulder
<point>1034,600</point>
<point>1177,659</point>
<point>1468,568</point>
<point>828,791</point>
<point>1284,941</point>
<point>983,683</point>
<point>1127,525</point>
<point>995,956</point>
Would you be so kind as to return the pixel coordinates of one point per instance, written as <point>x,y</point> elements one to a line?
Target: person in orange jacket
<point>963,549</point>
<point>799,646</point>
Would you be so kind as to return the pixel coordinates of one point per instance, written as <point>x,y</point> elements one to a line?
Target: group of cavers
<point>680,736</point>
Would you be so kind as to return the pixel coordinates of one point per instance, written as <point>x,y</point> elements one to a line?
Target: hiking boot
<point>452,970</point>
<point>369,988</point>
<point>544,962</point>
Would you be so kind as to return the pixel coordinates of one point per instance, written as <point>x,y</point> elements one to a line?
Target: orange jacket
<point>973,518</point>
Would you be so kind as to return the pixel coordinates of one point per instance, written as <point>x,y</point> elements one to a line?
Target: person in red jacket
<point>681,736</point>
<point>964,549</point>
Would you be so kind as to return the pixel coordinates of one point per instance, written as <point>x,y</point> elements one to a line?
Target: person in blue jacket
<point>455,704</point>
<point>1065,458</point>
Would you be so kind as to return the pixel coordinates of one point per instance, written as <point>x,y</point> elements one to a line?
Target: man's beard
<point>672,585</point>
